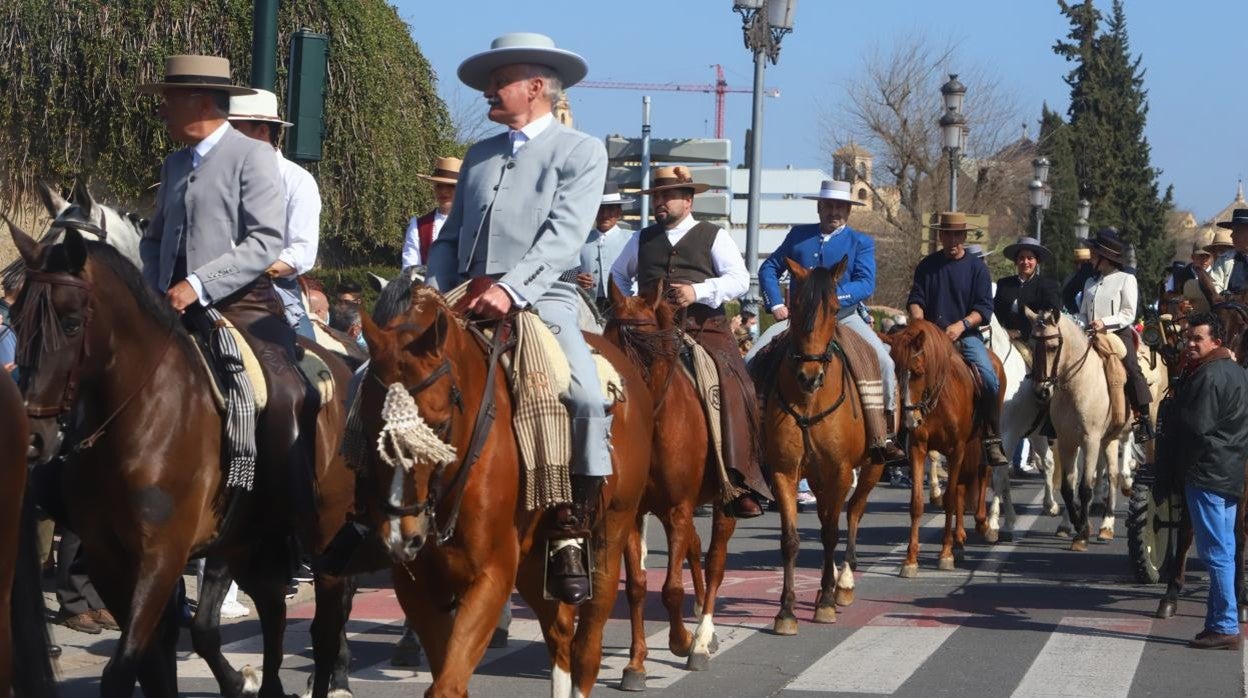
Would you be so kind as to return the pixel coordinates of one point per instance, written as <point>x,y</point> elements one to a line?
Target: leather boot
<point>992,433</point>
<point>1143,427</point>
<point>567,578</point>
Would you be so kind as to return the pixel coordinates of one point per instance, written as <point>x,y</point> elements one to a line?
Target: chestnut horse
<point>23,630</point>
<point>814,427</point>
<point>143,480</point>
<point>451,580</point>
<point>938,399</point>
<point>682,476</point>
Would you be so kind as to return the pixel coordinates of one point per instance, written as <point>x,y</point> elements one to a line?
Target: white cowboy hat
<point>835,190</point>
<point>611,196</point>
<point>202,72</point>
<point>261,106</point>
<point>522,47</point>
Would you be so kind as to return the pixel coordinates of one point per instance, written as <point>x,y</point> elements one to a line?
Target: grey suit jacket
<point>539,205</point>
<point>231,210</point>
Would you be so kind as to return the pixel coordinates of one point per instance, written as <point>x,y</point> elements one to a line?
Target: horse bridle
<point>931,396</point>
<point>805,422</point>
<point>69,396</point>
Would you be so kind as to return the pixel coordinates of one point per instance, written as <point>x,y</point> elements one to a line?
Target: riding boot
<point>992,432</point>
<point>569,542</point>
<point>891,451</point>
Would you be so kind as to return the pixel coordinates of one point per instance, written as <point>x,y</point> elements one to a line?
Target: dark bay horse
<point>25,669</point>
<point>682,476</point>
<point>938,398</point>
<point>814,427</point>
<point>143,478</point>
<point>458,531</point>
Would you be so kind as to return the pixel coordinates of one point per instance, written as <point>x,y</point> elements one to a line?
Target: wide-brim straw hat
<point>835,190</point>
<point>1238,217</point>
<point>261,105</point>
<point>677,177</point>
<point>1221,242</point>
<point>445,171</point>
<point>1108,244</point>
<point>1197,248</point>
<point>522,47</point>
<point>611,196</point>
<point>953,221</point>
<point>197,72</point>
<point>1031,244</point>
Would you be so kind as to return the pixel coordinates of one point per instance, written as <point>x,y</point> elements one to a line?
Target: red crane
<point>720,88</point>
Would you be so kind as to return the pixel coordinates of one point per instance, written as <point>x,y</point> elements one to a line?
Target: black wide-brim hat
<point>1238,217</point>
<point>1041,252</point>
<point>1108,244</point>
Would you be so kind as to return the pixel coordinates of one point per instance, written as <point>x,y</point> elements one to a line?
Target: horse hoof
<point>785,626</point>
<point>1079,545</point>
<point>252,679</point>
<point>945,564</point>
<point>825,614</point>
<point>1007,536</point>
<point>909,570</point>
<point>698,662</point>
<point>992,535</point>
<point>1053,510</point>
<point>633,681</point>
<point>844,597</point>
<point>1106,534</point>
<point>1167,608</point>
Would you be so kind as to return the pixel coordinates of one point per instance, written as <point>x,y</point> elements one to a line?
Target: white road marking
<point>662,667</point>
<point>1080,651</point>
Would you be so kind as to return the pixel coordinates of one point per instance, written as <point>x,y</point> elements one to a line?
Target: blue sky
<point>1195,76</point>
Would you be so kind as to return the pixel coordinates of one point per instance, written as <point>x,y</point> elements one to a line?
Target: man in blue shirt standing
<point>953,290</point>
<point>823,244</point>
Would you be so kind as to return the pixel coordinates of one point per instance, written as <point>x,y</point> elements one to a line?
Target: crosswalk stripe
<point>877,658</point>
<point>523,633</point>
<point>1074,659</point>
<point>662,667</point>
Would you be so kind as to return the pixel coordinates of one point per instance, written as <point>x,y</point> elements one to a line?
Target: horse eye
<point>71,326</point>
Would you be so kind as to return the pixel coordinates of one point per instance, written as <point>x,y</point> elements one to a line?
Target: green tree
<point>69,69</point>
<point>1107,115</point>
<point>1059,221</point>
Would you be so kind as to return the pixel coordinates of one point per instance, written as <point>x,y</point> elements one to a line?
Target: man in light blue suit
<point>823,244</point>
<point>524,201</point>
<point>606,242</point>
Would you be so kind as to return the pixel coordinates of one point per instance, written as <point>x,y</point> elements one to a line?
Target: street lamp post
<point>763,24</point>
<point>953,129</point>
<point>1081,225</point>
<point>1041,195</point>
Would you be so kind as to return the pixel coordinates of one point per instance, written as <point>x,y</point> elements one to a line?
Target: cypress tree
<point>1059,221</point>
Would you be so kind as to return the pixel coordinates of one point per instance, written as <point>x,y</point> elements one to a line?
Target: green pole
<point>264,44</point>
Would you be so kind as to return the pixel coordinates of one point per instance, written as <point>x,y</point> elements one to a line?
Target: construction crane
<point>720,88</point>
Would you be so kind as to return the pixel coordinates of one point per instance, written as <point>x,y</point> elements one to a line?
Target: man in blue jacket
<point>823,244</point>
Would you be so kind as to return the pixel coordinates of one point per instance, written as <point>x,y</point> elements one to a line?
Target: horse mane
<point>941,356</point>
<point>815,292</point>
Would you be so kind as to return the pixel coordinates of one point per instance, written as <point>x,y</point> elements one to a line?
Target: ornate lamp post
<point>1081,225</point>
<point>953,131</point>
<point>1041,195</point>
<point>763,24</point>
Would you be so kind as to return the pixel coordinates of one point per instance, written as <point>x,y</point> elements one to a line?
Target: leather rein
<point>931,396</point>
<point>806,421</point>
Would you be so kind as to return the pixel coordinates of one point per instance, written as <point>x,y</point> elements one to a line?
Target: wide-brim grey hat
<point>197,72</point>
<point>522,47</point>
<point>1041,252</point>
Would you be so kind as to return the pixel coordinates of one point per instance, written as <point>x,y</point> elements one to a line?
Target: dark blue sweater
<point>949,289</point>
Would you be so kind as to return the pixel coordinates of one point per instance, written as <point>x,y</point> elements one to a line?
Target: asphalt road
<point>1026,619</point>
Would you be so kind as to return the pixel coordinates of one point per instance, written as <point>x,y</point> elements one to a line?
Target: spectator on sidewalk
<point>82,609</point>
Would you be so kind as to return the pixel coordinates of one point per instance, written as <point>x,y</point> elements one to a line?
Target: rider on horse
<point>702,269</point>
<point>523,202</point>
<point>1026,289</point>
<point>823,244</point>
<point>953,290</point>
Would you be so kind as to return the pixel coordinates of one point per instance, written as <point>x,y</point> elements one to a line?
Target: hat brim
<point>846,199</point>
<point>263,119</point>
<point>1103,251</point>
<point>697,187</point>
<point>232,90</point>
<point>475,70</point>
<point>960,229</point>
<point>438,180</point>
<point>1217,249</point>
<point>1230,225</point>
<point>617,202</point>
<point>1041,252</point>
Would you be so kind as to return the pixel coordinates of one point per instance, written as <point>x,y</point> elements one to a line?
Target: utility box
<point>305,97</point>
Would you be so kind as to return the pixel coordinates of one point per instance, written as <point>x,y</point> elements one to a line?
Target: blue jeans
<point>288,290</point>
<point>974,351</point>
<point>1213,521</point>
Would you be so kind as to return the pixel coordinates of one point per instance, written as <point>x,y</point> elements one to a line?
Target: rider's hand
<point>1014,334</point>
<point>279,268</point>
<point>493,304</point>
<point>954,331</point>
<point>780,312</point>
<point>181,295</point>
<point>1096,326</point>
<point>585,281</point>
<point>681,295</point>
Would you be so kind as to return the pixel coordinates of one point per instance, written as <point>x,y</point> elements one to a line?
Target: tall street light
<point>953,129</point>
<point>1041,195</point>
<point>1081,225</point>
<point>763,24</point>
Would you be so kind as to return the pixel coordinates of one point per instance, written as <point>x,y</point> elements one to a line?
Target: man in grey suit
<point>218,227</point>
<point>606,242</point>
<point>524,200</point>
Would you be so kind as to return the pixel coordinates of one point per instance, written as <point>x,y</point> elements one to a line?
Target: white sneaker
<point>805,498</point>
<point>234,610</point>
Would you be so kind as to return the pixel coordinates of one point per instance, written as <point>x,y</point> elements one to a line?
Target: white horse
<point>1080,411</point>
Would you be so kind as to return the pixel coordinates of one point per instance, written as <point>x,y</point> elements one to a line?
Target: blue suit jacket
<point>803,246</point>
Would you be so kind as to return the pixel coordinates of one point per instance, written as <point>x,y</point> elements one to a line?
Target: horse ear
<point>614,294</point>
<point>660,289</point>
<point>75,251</point>
<point>886,338</point>
<point>798,271</point>
<point>378,283</point>
<point>838,270</point>
<point>373,335</point>
<point>82,198</point>
<point>1030,314</point>
<point>52,200</point>
<point>27,246</point>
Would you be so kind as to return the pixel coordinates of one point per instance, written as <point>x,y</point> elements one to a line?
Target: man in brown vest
<point>422,231</point>
<point>702,268</point>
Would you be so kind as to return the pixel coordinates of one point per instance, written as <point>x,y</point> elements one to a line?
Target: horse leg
<point>557,621</point>
<point>693,556</point>
<point>329,621</point>
<point>785,490</point>
<point>1052,474</point>
<point>1083,527</point>
<point>678,523</point>
<point>936,495</point>
<point>158,670</point>
<point>871,474</point>
<point>634,678</point>
<point>979,488</point>
<point>1002,501</point>
<point>1110,454</point>
<point>139,595</point>
<point>1066,467</point>
<point>264,580</point>
<point>829,507</point>
<point>429,613</point>
<point>593,614</point>
<point>953,462</point>
<point>206,629</point>
<point>1169,604</point>
<point>918,457</point>
<point>476,615</point>
<point>716,559</point>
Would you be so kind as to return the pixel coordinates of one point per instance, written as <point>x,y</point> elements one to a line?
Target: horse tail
<point>33,677</point>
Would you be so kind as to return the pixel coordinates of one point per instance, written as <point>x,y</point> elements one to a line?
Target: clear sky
<point>1195,76</point>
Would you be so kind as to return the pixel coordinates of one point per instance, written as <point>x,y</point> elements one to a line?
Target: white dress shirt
<point>303,216</point>
<point>411,239</point>
<point>731,281</point>
<point>1220,272</point>
<point>198,153</point>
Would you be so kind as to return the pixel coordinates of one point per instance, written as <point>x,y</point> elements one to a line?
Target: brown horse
<point>459,533</point>
<point>23,631</point>
<point>815,428</point>
<point>938,398</point>
<point>142,476</point>
<point>682,476</point>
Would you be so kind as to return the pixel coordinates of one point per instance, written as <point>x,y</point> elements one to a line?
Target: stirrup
<point>584,550</point>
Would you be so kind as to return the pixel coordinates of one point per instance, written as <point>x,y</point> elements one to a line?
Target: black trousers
<point>74,589</point>
<point>1138,393</point>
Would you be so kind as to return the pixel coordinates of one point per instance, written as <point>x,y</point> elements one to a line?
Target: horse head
<point>643,326</point>
<point>1048,340</point>
<point>52,317</point>
<point>411,370</point>
<point>923,356</point>
<point>812,325</point>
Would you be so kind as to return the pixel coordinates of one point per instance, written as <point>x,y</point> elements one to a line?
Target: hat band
<point>447,174</point>
<point>198,80</point>
<point>672,182</point>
